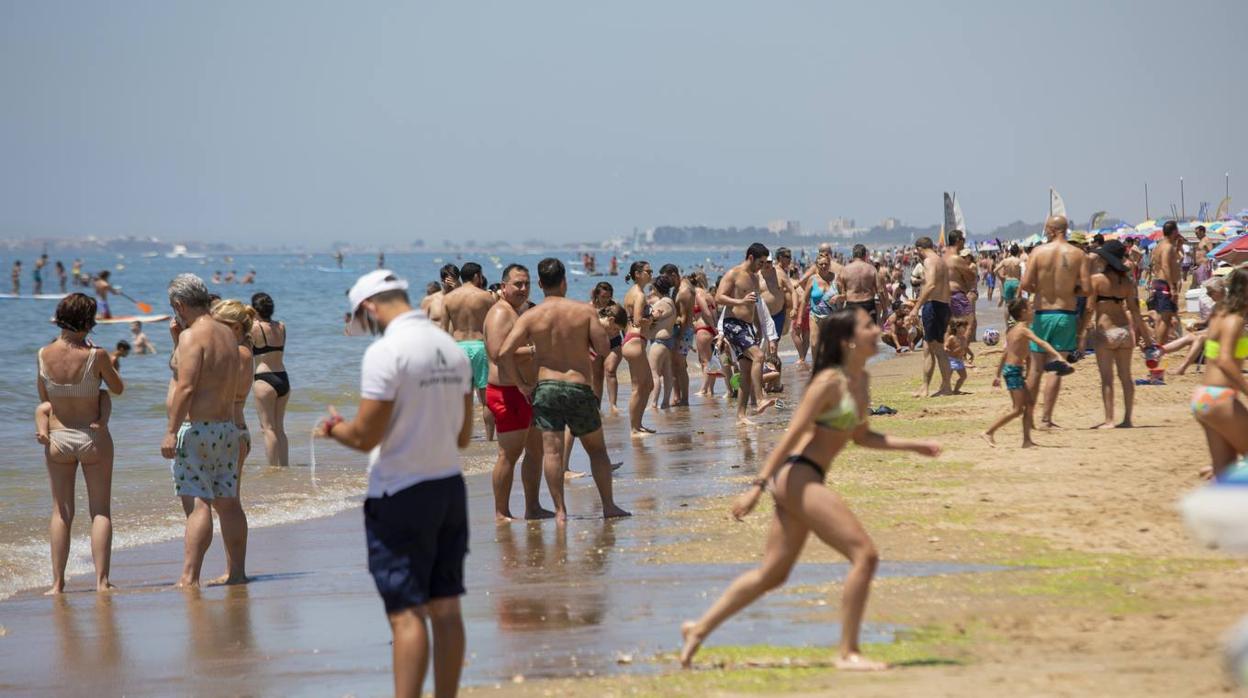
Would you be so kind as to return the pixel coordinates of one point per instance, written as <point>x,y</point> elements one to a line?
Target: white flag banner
<point>958,221</point>
<point>1057,207</point>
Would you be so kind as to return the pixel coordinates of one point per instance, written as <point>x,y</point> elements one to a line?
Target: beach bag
<point>714,367</point>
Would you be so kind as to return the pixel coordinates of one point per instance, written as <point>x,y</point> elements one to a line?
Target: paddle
<point>143,307</point>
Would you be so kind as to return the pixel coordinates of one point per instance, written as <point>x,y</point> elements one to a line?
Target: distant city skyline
<point>286,122</point>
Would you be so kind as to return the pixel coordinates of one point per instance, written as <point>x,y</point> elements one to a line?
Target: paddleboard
<point>331,270</point>
<point>122,319</point>
<point>33,297</point>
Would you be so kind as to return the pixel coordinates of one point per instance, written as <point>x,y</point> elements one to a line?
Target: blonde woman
<point>239,318</point>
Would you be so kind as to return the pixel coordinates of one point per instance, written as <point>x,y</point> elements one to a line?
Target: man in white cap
<point>415,411</point>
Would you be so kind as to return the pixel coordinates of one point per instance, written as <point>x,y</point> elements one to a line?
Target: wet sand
<point>1063,570</point>
<point>587,599</point>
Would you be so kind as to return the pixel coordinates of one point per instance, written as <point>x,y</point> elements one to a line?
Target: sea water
<point>322,363</point>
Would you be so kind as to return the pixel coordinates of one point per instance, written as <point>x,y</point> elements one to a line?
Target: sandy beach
<point>1063,570</point>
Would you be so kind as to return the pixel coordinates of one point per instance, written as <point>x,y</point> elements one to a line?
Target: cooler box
<point>1193,300</point>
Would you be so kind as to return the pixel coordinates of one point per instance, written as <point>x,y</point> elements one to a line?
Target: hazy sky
<point>387,122</point>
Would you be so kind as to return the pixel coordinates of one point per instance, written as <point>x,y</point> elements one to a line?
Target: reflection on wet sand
<point>90,646</point>
<point>219,629</point>
<point>534,572</point>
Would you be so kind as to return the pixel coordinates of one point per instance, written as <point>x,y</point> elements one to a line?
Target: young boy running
<point>1012,369</point>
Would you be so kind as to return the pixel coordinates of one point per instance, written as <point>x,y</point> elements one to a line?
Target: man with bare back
<point>560,334</point>
<point>777,293</point>
<point>201,439</point>
<point>744,323</point>
<point>431,305</point>
<point>464,311</point>
<point>1166,280</point>
<point>931,308</point>
<point>961,277</point>
<point>513,416</point>
<point>1056,272</point>
<point>860,282</point>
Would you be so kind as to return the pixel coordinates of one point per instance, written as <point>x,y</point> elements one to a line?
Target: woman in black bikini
<point>833,412</point>
<point>272,386</point>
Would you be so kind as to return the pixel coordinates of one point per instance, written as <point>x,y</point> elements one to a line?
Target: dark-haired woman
<point>68,379</point>
<point>833,411</point>
<point>272,386</point>
<point>1115,312</point>
<point>605,367</point>
<point>1215,404</point>
<point>705,318</point>
<point>636,337</point>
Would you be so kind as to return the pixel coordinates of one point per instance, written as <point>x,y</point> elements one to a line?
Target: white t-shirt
<point>419,368</point>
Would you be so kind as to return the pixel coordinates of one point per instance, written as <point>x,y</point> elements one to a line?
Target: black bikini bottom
<point>799,459</point>
<point>278,379</point>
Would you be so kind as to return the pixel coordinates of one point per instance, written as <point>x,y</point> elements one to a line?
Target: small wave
<point>25,564</point>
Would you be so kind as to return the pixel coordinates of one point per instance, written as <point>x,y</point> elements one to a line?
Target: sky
<point>376,122</point>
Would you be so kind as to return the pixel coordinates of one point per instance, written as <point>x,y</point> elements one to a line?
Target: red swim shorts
<point>512,412</point>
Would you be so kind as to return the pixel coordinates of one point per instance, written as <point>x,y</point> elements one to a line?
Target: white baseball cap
<point>366,287</point>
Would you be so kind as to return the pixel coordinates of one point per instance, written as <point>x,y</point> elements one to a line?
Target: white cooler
<point>1192,299</point>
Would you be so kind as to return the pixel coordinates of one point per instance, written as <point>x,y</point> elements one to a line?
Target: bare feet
<point>692,643</point>
<point>561,516</point>
<point>1030,444</point>
<point>539,514</point>
<point>58,589</point>
<point>988,437</point>
<point>943,392</point>
<point>1125,424</point>
<point>1105,425</point>
<point>502,517</point>
<point>856,662</point>
<point>1206,473</point>
<point>617,466</point>
<point>919,393</point>
<point>745,422</point>
<point>227,579</point>
<point>104,586</point>
<point>643,431</point>
<point>185,583</point>
<point>613,512</point>
<point>763,407</point>
<point>1048,425</point>
<point>570,474</point>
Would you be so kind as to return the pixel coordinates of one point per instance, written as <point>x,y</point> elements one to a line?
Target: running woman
<point>832,413</point>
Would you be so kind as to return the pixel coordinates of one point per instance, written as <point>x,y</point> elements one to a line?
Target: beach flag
<point>959,223</point>
<point>1096,221</point>
<point>1057,207</point>
<point>951,222</point>
<point>1223,209</point>
<point>940,242</point>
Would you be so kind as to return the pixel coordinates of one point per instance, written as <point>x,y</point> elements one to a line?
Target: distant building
<point>842,227</point>
<point>890,223</point>
<point>784,226</point>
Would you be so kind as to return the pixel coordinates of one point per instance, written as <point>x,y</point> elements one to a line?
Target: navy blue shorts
<point>935,316</point>
<point>417,540</point>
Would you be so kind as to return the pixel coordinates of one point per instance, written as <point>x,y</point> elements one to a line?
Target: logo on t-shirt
<point>441,359</point>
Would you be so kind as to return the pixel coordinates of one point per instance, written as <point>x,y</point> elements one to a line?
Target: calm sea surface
<point>323,367</point>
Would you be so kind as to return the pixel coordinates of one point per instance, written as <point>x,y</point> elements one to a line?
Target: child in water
<point>1013,369</point>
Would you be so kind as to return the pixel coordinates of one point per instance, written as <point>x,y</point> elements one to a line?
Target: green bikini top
<point>1214,349</point>
<point>844,417</point>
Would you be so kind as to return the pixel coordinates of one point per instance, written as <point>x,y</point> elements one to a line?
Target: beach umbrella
<point>1146,226</point>
<point>1233,251</point>
<point>1226,244</point>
